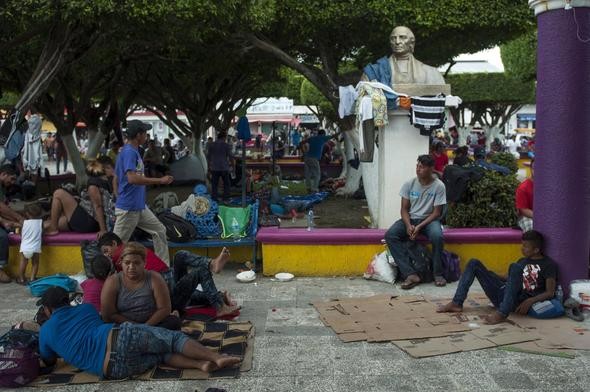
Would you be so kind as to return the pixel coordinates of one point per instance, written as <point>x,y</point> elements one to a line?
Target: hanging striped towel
<point>428,113</point>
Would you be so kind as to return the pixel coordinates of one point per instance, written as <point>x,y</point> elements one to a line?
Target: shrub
<point>505,159</point>
<point>489,202</point>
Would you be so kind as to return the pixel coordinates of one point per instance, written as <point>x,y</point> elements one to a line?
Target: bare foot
<point>218,263</point>
<point>206,366</point>
<point>49,230</point>
<point>227,310</point>
<point>227,299</point>
<point>227,361</point>
<point>451,307</point>
<point>494,318</point>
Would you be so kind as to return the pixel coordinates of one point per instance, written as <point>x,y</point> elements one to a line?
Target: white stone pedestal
<point>394,162</point>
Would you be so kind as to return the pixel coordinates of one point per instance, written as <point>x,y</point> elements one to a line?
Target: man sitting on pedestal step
<point>529,287</point>
<point>423,198</point>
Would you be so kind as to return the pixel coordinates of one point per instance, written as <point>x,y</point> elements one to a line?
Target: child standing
<point>30,244</point>
<point>101,267</point>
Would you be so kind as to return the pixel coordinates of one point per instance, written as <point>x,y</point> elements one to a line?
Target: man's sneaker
<point>4,278</point>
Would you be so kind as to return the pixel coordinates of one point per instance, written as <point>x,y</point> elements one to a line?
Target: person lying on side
<point>79,336</point>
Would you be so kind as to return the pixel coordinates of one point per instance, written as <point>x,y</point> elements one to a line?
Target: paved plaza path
<point>295,352</point>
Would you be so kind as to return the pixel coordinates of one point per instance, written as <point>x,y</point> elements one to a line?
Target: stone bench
<point>325,252</point>
<point>61,253</point>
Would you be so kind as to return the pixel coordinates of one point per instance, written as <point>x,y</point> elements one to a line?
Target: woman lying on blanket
<point>111,351</point>
<point>142,296</point>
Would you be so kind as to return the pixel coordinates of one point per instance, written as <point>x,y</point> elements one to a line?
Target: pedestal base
<point>400,144</point>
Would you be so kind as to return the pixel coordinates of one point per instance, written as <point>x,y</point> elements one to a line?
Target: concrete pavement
<point>295,352</point>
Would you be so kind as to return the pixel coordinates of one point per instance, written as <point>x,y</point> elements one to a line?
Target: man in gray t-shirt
<point>423,198</point>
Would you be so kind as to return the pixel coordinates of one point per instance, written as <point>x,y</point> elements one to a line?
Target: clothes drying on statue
<point>32,154</point>
<point>371,109</point>
<point>348,96</point>
<point>428,113</point>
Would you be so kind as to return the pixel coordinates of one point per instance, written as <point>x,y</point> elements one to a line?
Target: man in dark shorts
<point>112,351</point>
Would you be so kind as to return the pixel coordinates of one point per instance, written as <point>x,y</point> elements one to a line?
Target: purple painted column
<point>562,164</point>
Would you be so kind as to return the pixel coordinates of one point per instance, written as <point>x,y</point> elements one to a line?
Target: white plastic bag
<point>580,291</point>
<point>381,268</point>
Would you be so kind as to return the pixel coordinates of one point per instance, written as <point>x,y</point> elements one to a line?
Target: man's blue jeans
<point>506,295</point>
<point>186,284</point>
<point>140,347</point>
<point>397,236</point>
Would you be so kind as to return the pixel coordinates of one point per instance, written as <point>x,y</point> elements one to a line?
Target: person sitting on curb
<point>529,287</point>
<point>9,219</point>
<point>423,198</point>
<point>115,352</point>
<point>524,202</point>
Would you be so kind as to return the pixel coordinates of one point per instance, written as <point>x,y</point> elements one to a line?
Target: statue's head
<point>402,41</point>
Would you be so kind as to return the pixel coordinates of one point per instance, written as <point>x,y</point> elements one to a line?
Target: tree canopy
<point>520,56</point>
<point>208,59</point>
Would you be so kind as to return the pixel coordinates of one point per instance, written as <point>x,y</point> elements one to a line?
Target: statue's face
<point>402,41</point>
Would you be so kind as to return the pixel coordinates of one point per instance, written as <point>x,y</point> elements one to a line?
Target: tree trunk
<point>95,141</point>
<point>49,64</point>
<point>353,176</point>
<point>463,133</point>
<point>491,134</point>
<point>200,154</point>
<point>75,158</point>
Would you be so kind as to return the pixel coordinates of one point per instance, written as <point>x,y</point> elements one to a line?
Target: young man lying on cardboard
<point>529,287</point>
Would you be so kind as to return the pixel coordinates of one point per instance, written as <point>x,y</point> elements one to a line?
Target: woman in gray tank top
<point>137,295</point>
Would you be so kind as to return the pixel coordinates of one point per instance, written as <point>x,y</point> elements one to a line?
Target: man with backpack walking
<point>131,210</point>
<point>423,198</point>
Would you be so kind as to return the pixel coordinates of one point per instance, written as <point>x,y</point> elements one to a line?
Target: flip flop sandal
<point>22,282</point>
<point>409,285</point>
<point>440,282</point>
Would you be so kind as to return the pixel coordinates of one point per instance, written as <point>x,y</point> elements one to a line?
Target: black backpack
<point>177,229</point>
<point>421,260</point>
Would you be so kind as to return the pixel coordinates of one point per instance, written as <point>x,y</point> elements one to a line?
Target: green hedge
<point>490,201</point>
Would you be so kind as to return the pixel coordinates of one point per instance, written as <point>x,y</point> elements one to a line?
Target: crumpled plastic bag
<point>382,268</point>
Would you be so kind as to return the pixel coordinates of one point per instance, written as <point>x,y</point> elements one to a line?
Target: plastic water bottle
<point>310,219</point>
<point>559,293</point>
<point>235,229</point>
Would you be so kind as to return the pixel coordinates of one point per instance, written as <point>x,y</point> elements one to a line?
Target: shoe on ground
<point>574,313</point>
<point>4,278</point>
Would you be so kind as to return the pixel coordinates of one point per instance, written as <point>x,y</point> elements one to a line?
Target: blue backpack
<point>40,286</point>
